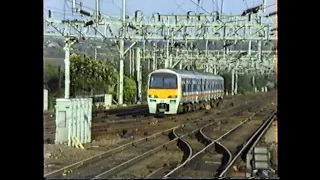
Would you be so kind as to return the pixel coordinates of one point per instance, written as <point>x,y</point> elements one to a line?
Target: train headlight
<point>153,96</point>
<point>173,96</point>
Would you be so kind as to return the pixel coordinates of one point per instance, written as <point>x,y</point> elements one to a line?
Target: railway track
<point>143,124</point>
<point>240,160</point>
<point>223,144</point>
<point>131,153</point>
<point>197,142</point>
<point>100,118</point>
<point>116,121</point>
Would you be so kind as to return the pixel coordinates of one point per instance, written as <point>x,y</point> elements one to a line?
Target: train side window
<point>205,85</point>
<point>191,85</point>
<point>186,84</point>
<point>183,82</point>
<point>197,84</point>
<point>212,84</point>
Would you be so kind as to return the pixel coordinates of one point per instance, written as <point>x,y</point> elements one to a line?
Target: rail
<point>209,145</point>
<point>251,142</point>
<point>115,169</point>
<point>146,154</point>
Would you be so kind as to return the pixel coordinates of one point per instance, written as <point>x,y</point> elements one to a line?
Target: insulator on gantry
<point>156,16</point>
<point>271,14</point>
<point>132,26</point>
<point>137,15</point>
<point>253,10</point>
<point>217,16</point>
<point>189,13</point>
<point>84,12</point>
<point>49,13</point>
<point>227,44</point>
<point>89,23</point>
<point>176,19</point>
<point>199,16</point>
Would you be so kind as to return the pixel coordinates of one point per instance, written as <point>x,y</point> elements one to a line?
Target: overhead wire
<point>113,3</point>
<point>89,8</point>
<point>179,6</point>
<point>60,11</point>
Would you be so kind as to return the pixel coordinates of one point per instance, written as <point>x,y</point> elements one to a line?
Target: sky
<point>148,7</point>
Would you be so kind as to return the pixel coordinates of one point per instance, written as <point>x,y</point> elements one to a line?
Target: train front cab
<point>163,93</point>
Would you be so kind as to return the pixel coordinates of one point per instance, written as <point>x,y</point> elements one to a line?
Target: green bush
<point>87,74</point>
<point>242,91</point>
<point>245,82</point>
<point>129,91</point>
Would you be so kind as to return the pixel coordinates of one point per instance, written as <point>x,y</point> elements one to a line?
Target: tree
<point>129,91</point>
<point>261,81</point>
<point>53,81</point>
<point>52,77</point>
<point>227,81</point>
<point>244,84</point>
<point>87,74</point>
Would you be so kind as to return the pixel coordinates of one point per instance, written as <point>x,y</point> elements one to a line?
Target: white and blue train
<point>172,91</point>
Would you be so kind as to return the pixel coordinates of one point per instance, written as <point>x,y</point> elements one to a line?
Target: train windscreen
<point>163,81</point>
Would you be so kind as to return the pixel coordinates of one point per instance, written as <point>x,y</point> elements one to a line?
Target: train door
<point>198,91</point>
<point>183,89</point>
<point>215,89</point>
<point>202,89</point>
<point>210,88</point>
<point>188,89</point>
<point>205,90</point>
<point>193,91</point>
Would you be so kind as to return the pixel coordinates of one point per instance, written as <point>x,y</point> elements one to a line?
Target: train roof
<point>190,74</point>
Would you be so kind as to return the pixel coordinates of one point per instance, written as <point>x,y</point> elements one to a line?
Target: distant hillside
<point>55,61</point>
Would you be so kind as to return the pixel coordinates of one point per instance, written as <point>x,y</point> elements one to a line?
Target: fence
<point>99,101</point>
